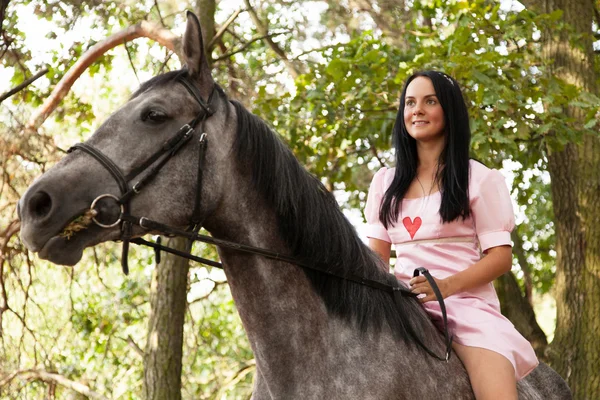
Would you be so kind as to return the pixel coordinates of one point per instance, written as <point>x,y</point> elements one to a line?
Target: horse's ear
<point>193,48</point>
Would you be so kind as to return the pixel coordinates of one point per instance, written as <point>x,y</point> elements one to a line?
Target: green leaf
<point>337,69</point>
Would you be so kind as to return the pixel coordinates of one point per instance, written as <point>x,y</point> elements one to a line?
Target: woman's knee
<point>491,374</point>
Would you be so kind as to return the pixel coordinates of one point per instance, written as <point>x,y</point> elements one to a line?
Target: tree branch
<point>3,5</point>
<point>131,62</point>
<point>375,154</point>
<point>317,50</point>
<point>143,29</point>
<point>162,22</point>
<point>201,298</point>
<point>522,259</point>
<point>23,85</point>
<point>12,229</point>
<point>33,374</point>
<point>239,375</point>
<point>389,16</point>
<point>246,45</point>
<point>233,75</point>
<point>223,28</point>
<point>133,345</point>
<point>205,10</point>
<point>262,30</point>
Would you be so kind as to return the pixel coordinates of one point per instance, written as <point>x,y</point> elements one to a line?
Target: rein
<point>155,163</point>
<point>397,291</point>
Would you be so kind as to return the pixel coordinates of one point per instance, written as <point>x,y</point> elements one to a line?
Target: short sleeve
<point>375,228</point>
<point>492,211</point>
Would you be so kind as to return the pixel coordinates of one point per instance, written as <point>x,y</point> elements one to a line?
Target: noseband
<point>155,163</point>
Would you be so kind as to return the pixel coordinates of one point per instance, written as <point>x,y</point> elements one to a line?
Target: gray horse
<point>314,336</point>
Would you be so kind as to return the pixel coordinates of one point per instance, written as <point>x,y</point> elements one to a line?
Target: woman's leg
<point>492,375</point>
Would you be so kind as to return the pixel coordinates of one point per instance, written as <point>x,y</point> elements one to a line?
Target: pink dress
<point>421,240</point>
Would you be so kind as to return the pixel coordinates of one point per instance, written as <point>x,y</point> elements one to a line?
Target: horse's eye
<point>154,116</point>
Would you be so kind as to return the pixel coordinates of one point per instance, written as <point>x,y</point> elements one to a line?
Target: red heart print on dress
<point>412,226</point>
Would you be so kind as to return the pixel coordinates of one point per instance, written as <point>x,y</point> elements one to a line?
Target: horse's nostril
<point>40,204</point>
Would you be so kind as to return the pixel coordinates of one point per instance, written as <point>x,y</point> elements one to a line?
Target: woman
<point>453,216</point>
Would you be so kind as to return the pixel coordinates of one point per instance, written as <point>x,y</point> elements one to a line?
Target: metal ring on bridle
<point>122,207</point>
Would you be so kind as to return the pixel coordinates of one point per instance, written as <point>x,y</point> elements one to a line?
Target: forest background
<point>327,76</point>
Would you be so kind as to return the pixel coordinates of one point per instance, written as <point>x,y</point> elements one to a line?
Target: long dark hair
<point>453,167</point>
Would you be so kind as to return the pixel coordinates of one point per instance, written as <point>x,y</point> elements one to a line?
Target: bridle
<point>154,164</point>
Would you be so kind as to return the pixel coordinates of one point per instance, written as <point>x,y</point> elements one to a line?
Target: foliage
<point>74,322</point>
<point>219,360</point>
<point>342,111</point>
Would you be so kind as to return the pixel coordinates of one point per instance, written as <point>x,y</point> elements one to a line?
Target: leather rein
<point>156,161</point>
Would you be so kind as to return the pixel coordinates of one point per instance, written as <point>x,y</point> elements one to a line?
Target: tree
<point>164,345</point>
<point>575,171</point>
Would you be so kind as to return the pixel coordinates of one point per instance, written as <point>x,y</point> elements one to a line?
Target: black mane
<point>317,232</point>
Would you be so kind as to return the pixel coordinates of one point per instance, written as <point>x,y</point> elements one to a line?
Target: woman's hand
<point>420,285</point>
<point>498,260</point>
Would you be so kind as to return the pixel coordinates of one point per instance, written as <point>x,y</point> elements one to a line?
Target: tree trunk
<point>205,9</point>
<point>519,253</point>
<point>162,358</point>
<point>518,310</point>
<point>575,351</point>
<point>164,348</point>
<point>575,175</point>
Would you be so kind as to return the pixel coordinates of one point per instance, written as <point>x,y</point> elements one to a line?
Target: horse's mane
<point>316,231</point>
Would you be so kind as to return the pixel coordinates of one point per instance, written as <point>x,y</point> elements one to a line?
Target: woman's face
<point>423,113</point>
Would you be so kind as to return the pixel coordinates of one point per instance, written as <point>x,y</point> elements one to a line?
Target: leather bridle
<point>153,164</point>
<point>156,161</point>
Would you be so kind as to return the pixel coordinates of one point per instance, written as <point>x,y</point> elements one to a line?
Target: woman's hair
<point>453,168</point>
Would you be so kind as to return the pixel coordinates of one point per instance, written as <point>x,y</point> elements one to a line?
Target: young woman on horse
<point>448,213</point>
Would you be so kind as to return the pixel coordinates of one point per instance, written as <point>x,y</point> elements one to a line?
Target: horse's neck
<point>296,342</point>
<point>282,314</point>
<point>301,350</point>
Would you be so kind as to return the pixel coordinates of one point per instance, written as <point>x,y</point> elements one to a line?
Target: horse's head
<point>56,211</point>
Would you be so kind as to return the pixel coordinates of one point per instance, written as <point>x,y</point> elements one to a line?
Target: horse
<point>314,334</point>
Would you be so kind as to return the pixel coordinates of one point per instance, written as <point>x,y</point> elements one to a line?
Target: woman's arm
<point>383,250</point>
<point>498,261</point>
